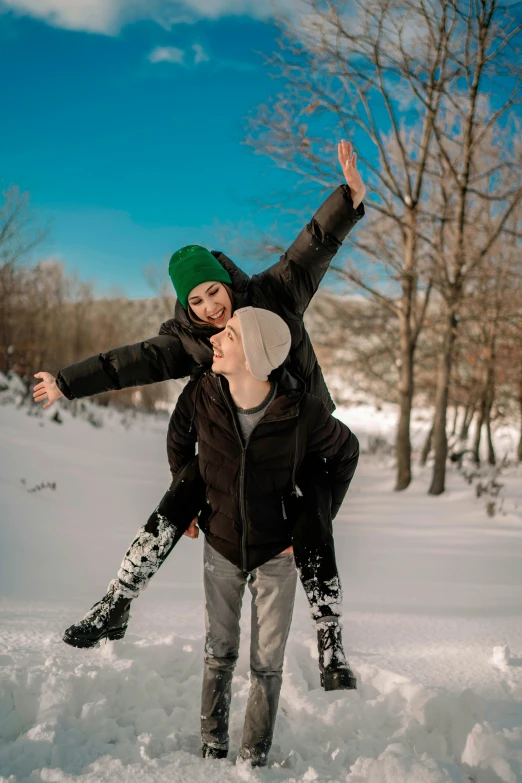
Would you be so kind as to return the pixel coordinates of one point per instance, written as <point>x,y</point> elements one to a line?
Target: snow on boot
<point>165,527</point>
<point>212,752</point>
<point>148,552</point>
<point>335,672</point>
<point>251,757</point>
<point>325,596</point>
<point>106,620</point>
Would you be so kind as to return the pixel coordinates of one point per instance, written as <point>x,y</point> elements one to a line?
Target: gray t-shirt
<point>249,418</point>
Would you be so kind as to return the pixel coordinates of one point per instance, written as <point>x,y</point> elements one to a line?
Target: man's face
<point>229,357</point>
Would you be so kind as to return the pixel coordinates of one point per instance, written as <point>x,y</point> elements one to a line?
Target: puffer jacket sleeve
<point>182,434</point>
<point>158,359</point>
<point>294,279</point>
<point>333,440</point>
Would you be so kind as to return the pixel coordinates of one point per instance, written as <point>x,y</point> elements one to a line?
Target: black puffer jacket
<point>286,288</point>
<point>251,489</point>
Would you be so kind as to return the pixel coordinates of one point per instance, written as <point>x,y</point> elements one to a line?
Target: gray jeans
<point>272,586</point>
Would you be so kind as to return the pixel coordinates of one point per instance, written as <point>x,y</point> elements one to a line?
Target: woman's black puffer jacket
<point>181,347</point>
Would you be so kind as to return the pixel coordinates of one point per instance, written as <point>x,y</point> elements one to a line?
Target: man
<point>254,426</point>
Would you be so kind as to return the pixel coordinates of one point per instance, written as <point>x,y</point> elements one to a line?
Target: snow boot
<point>211,752</point>
<point>251,757</point>
<point>336,675</point>
<point>106,620</point>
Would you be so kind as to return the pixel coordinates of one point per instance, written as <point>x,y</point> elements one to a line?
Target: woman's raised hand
<point>348,161</point>
<point>47,389</point>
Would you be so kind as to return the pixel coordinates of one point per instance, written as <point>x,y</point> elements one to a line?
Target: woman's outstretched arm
<point>158,359</point>
<point>294,279</point>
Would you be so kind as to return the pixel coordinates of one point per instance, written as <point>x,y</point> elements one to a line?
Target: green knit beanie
<point>192,265</point>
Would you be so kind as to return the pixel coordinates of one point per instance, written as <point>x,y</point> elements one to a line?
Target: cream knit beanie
<point>266,340</point>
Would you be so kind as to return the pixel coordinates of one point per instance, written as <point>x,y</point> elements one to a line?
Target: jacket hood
<point>240,282</point>
<point>288,381</point>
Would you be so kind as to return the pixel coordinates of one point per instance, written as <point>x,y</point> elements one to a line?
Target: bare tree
<point>355,340</point>
<point>519,450</point>
<point>376,73</point>
<point>477,164</point>
<point>18,237</point>
<point>160,283</point>
<point>414,80</point>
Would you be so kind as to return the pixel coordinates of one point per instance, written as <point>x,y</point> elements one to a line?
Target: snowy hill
<point>433,593</point>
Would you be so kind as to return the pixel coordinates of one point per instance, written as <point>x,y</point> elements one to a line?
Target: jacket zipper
<point>242,510</point>
<point>283,509</point>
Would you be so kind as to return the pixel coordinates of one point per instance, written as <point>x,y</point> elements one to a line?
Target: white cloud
<point>109,16</point>
<point>167,54</point>
<point>98,16</point>
<point>200,55</point>
<point>171,54</point>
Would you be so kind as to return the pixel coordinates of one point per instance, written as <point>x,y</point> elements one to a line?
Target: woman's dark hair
<point>197,321</point>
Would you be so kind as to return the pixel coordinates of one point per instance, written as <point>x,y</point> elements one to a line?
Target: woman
<point>209,288</point>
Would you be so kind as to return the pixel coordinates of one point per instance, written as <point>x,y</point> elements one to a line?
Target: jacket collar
<point>286,402</point>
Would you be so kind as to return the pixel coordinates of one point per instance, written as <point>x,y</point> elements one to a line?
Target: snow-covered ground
<point>433,594</point>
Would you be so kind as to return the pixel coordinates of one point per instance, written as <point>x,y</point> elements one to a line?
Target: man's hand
<point>193,530</point>
<point>348,161</point>
<point>46,389</point>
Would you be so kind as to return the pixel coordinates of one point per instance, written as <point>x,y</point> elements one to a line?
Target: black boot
<point>210,752</point>
<point>336,675</point>
<point>106,620</point>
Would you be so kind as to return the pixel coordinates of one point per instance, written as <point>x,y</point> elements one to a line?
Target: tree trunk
<point>407,351</point>
<point>403,444</point>
<point>491,449</point>
<point>455,420</point>
<point>519,453</point>
<point>6,305</point>
<point>468,418</point>
<point>476,441</point>
<point>489,406</point>
<point>425,453</point>
<point>486,405</point>
<point>441,405</point>
<point>478,432</point>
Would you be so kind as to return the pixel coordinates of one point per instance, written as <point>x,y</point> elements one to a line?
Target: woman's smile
<point>219,317</point>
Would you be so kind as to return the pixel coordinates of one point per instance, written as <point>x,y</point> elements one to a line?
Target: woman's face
<point>211,303</point>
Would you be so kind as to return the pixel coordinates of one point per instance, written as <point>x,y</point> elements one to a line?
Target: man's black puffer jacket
<point>285,288</point>
<point>249,488</point>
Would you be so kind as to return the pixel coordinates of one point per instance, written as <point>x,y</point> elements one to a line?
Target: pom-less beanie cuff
<point>192,265</point>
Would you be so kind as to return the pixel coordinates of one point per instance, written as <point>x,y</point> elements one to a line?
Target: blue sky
<point>126,129</point>
<point>124,119</point>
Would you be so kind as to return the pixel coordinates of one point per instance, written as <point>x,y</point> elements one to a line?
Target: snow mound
<point>501,655</point>
<point>130,710</point>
